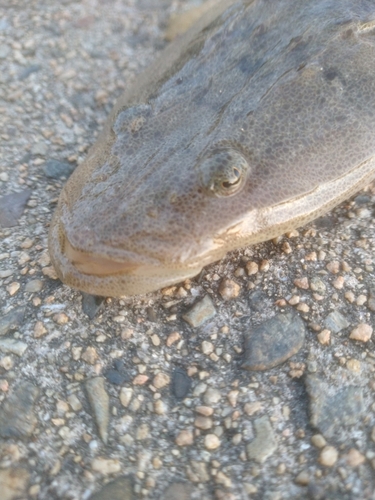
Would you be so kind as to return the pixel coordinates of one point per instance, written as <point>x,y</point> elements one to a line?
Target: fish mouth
<point>127,273</point>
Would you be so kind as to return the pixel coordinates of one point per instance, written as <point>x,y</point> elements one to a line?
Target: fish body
<point>258,120</point>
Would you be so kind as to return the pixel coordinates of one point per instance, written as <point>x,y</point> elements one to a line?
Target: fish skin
<point>258,120</point>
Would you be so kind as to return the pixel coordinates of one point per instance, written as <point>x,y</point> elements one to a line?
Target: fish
<point>258,120</point>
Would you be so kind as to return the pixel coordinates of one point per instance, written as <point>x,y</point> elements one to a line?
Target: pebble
<point>12,346</point>
<point>181,383</point>
<point>55,169</point>
<point>229,289</point>
<point>264,444</point>
<point>90,355</point>
<point>317,285</point>
<point>106,465</point>
<point>34,286</point>
<point>17,418</point>
<point>74,402</point>
<point>161,380</point>
<point>172,338</point>
<point>13,288</point>
<point>318,441</point>
<point>39,330</point>
<point>201,312</point>
<point>302,283</point>
<point>211,396</point>
<point>211,442</point>
<point>328,456</point>
<point>331,408</point>
<point>362,333</point>
<point>184,438</point>
<point>206,411</point>
<point>251,408</point>
<point>117,375</point>
<point>335,322</point>
<point>99,402</point>
<point>355,458</point>
<point>12,207</point>
<point>177,491</point>
<point>126,395</point>
<point>203,423</point>
<point>119,489</point>
<point>273,342</point>
<point>252,268</point>
<point>303,478</point>
<point>14,482</point>
<point>12,320</point>
<point>197,472</point>
<point>324,337</point>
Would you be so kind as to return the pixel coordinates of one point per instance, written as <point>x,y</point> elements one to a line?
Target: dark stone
<point>118,374</point>
<point>17,418</point>
<point>33,68</point>
<point>12,207</point>
<point>151,314</point>
<point>331,408</point>
<point>274,341</point>
<point>12,320</point>
<point>54,169</point>
<point>119,489</point>
<point>91,304</point>
<point>181,383</point>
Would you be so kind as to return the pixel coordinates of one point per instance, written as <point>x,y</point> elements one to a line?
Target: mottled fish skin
<point>258,120</point>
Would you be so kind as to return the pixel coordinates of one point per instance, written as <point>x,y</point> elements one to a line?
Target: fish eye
<point>223,172</point>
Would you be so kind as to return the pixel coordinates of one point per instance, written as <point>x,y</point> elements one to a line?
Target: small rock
<point>90,355</point>
<point>333,267</point>
<point>362,333</point>
<point>211,442</point>
<point>229,289</point>
<point>181,383</point>
<point>302,283</point>
<point>273,342</point>
<point>140,379</point>
<point>331,408</point>
<point>161,380</point>
<point>207,347</point>
<point>12,346</point>
<point>39,329</point>
<point>172,338</point>
<point>34,286</point>
<point>251,408</point>
<point>142,432</point>
<point>203,423</point>
<point>177,491</point>
<point>17,418</point>
<point>335,322</point>
<point>354,458</point>
<point>211,396</point>
<point>197,472</point>
<point>13,288</point>
<point>14,482</point>
<point>184,438</point>
<point>91,304</point>
<point>119,489</point>
<point>317,285</point>
<point>318,441</point>
<point>106,465</point>
<point>324,337</point>
<point>252,268</point>
<point>206,411</point>
<point>328,456</point>
<point>74,402</point>
<point>12,207</point>
<point>55,169</point>
<point>126,395</point>
<point>303,478</point>
<point>201,312</point>
<point>99,402</point>
<point>264,444</point>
